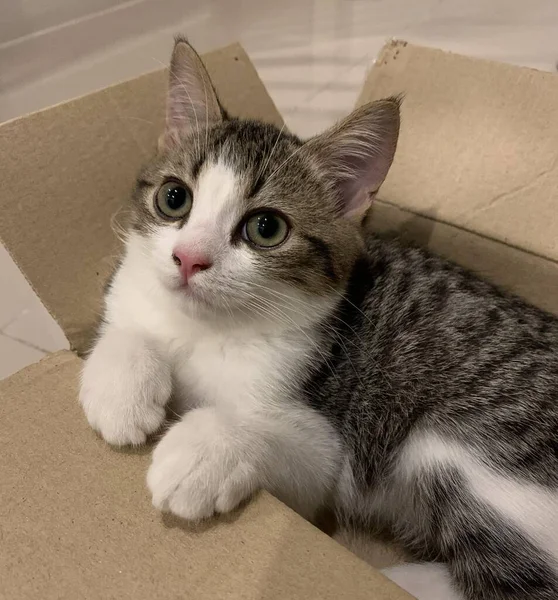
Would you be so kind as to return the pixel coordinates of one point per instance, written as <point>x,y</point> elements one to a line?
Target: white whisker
<point>263,166</point>
<point>287,319</point>
<point>284,163</point>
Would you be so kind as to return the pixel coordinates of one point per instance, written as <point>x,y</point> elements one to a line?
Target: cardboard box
<point>475,178</point>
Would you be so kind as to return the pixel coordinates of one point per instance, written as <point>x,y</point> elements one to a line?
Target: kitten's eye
<point>173,200</point>
<point>265,230</point>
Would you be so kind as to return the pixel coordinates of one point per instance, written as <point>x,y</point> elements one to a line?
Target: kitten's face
<point>242,219</point>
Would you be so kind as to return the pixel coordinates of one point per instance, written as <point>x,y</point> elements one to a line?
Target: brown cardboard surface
<point>76,521</point>
<point>66,171</point>
<point>478,146</point>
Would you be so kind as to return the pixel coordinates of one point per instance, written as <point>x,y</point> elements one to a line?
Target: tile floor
<point>312,55</point>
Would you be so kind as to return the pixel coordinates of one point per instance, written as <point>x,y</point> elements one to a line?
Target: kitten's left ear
<point>192,103</point>
<point>357,153</point>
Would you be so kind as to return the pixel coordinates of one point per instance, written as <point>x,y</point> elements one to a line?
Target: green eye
<point>173,200</point>
<point>265,230</point>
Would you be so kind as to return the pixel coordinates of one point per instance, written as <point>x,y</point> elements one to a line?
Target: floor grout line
<point>24,342</point>
<point>12,320</point>
<point>69,23</point>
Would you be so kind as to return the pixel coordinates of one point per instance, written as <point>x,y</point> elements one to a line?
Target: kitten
<point>328,366</point>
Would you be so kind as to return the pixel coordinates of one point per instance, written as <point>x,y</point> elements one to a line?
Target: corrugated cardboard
<point>75,516</point>
<point>76,521</point>
<point>476,171</point>
<point>475,179</point>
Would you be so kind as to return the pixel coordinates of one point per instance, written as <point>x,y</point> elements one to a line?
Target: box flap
<point>68,170</point>
<point>76,521</point>
<point>478,146</point>
<point>475,176</point>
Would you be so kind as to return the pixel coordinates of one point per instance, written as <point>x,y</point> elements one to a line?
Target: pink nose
<point>189,263</point>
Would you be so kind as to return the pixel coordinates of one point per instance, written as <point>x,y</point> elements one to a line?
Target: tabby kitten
<point>328,366</point>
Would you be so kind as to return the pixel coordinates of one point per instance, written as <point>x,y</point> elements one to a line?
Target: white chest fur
<point>234,368</point>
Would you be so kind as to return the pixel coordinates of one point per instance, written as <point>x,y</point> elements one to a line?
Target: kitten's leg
<point>495,533</point>
<point>211,461</point>
<point>198,469</point>
<point>124,387</point>
<point>427,581</point>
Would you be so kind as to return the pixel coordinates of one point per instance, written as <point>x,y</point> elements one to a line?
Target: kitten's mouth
<point>186,289</point>
<point>198,294</point>
<point>192,294</point>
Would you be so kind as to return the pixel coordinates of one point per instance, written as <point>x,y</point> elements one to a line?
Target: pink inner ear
<point>358,204</point>
<point>358,189</point>
<point>169,139</point>
<point>358,152</point>
<point>191,100</point>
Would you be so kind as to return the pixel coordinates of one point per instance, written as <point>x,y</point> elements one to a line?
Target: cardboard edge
<point>78,97</point>
<point>242,55</point>
<point>390,50</point>
<point>234,47</point>
<point>52,360</point>
<point>393,48</point>
<point>396,48</point>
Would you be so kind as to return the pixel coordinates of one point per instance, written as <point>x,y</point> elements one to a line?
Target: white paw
<point>199,468</point>
<point>124,389</point>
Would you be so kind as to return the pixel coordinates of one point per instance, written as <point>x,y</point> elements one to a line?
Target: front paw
<point>199,469</point>
<point>124,389</point>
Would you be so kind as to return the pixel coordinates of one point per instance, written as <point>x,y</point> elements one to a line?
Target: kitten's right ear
<point>192,103</point>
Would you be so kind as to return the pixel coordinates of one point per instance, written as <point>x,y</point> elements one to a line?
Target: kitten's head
<point>240,216</point>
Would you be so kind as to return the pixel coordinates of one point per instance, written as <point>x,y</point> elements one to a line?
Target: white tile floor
<point>312,55</point>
